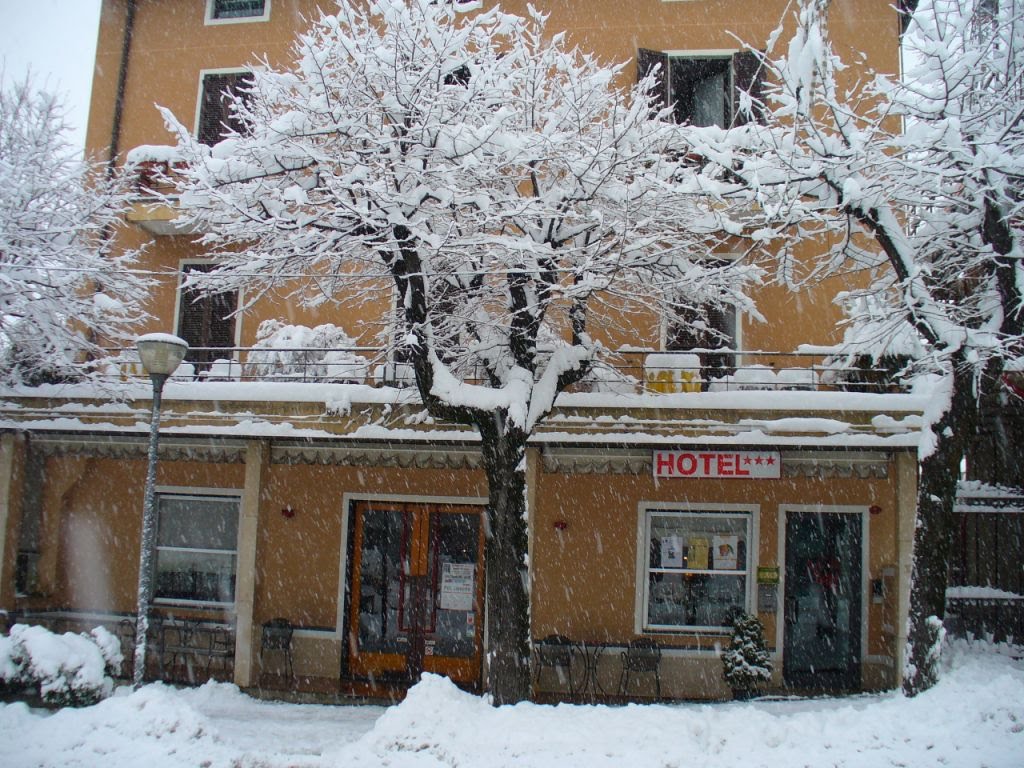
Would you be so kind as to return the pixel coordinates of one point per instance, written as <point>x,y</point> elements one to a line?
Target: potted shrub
<point>746,664</point>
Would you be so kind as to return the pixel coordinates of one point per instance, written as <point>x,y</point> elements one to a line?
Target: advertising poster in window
<point>698,553</point>
<point>457,586</point>
<point>725,549</point>
<point>671,552</point>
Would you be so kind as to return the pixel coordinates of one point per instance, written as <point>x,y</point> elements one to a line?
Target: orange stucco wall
<point>585,576</point>
<point>92,516</point>
<point>585,580</point>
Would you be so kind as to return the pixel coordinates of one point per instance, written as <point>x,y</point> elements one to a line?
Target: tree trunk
<point>940,473</point>
<point>504,454</point>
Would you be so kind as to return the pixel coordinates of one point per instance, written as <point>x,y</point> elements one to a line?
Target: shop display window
<point>698,569</point>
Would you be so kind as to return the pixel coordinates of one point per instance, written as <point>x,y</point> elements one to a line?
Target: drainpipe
<point>122,77</point>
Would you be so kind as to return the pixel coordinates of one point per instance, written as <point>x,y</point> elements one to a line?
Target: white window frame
<point>645,512</point>
<point>196,493</point>
<point>236,19</point>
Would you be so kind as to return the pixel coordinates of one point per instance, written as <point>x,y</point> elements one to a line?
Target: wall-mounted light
<point>560,525</point>
<point>288,512</point>
<point>874,509</point>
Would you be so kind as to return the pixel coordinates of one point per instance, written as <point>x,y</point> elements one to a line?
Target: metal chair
<point>125,633</point>
<point>642,656</point>
<point>222,649</point>
<point>277,638</point>
<point>179,641</point>
<point>555,652</point>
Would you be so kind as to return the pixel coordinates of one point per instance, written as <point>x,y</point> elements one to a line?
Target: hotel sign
<point>759,465</point>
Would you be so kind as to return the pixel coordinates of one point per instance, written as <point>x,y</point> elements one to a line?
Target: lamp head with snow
<point>161,353</point>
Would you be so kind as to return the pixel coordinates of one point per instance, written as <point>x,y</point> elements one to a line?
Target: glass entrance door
<point>822,645</point>
<point>417,592</point>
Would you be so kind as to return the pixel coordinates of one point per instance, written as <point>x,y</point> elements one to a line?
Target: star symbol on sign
<point>770,460</point>
<point>746,460</point>
<point>759,461</point>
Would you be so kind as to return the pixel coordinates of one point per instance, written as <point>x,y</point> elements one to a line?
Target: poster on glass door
<point>457,586</point>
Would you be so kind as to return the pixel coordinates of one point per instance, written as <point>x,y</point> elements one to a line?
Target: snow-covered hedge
<point>297,352</point>
<point>67,670</point>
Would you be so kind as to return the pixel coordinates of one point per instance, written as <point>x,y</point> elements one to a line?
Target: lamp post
<point>160,354</point>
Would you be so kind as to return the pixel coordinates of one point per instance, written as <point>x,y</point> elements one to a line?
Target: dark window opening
<point>237,9</point>
<point>704,90</point>
<point>458,76</point>
<point>206,321</point>
<point>702,329</point>
<point>216,118</point>
<point>196,548</point>
<point>30,534</point>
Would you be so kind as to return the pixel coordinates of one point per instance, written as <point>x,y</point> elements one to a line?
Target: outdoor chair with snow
<point>642,656</point>
<point>555,652</point>
<point>178,644</point>
<point>277,638</point>
<point>221,649</point>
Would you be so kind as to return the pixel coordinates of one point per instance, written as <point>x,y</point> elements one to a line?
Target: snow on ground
<point>973,718</point>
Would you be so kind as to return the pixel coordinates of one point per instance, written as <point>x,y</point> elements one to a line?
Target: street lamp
<point>160,353</point>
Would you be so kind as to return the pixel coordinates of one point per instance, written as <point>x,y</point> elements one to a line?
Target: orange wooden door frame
<point>419,596</point>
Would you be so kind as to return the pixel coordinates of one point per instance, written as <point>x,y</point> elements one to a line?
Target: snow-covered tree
<point>64,287</point>
<point>492,180</point>
<point>913,187</point>
<point>746,663</point>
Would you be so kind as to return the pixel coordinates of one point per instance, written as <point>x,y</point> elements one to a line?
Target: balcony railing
<point>632,372</point>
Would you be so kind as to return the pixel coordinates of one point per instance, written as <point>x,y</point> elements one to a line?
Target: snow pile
<point>295,352</point>
<point>66,669</point>
<point>974,717</point>
<point>153,727</point>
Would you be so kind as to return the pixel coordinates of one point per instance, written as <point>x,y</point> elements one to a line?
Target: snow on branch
<point>490,180</point>
<point>911,186</point>
<point>65,288</point>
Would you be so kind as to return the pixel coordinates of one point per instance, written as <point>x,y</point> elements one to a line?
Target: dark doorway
<point>822,644</point>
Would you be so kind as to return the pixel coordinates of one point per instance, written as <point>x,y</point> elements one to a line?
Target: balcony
<point>634,372</point>
<point>152,170</point>
<point>313,398</point>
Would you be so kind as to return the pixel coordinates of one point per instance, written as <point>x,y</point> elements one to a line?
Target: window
<point>216,117</point>
<point>229,11</point>
<point>698,568</point>
<point>30,535</point>
<point>196,548</point>
<point>709,327</point>
<point>703,90</point>
<point>205,321</point>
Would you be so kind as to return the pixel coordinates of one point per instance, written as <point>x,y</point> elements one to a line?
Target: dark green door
<point>822,645</point>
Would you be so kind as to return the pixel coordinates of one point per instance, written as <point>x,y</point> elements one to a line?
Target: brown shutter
<point>747,77</point>
<point>646,61</point>
<point>215,115</point>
